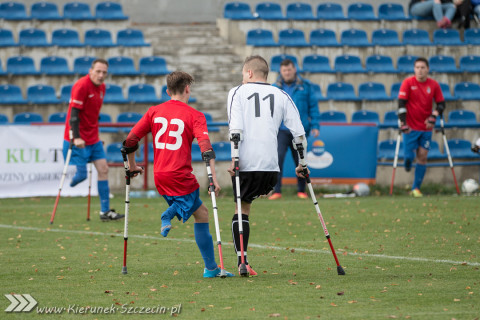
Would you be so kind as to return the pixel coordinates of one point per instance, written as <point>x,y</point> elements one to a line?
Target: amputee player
<point>174,125</point>
<point>82,119</point>
<point>255,111</point>
<point>417,118</point>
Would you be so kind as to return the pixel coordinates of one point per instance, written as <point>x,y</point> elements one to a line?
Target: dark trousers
<point>284,142</point>
<point>463,14</point>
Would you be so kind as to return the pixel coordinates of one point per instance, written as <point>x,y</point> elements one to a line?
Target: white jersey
<point>258,109</point>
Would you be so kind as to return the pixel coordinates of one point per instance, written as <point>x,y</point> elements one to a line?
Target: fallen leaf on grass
<point>333,304</point>
<point>163,286</point>
<point>352,301</point>
<point>63,258</point>
<point>153,289</point>
<point>252,309</point>
<point>341,293</point>
<point>203,309</point>
<point>227,308</point>
<point>274,315</point>
<point>318,286</point>
<point>456,300</point>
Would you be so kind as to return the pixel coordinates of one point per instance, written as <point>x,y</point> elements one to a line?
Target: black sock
<point>236,236</point>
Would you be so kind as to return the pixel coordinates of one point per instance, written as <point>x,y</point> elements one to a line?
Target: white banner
<point>31,163</point>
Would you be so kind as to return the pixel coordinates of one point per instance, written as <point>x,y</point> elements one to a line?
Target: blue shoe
<point>166,226</point>
<point>408,165</point>
<point>215,273</point>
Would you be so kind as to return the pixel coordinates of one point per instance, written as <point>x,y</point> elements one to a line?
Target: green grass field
<point>404,258</point>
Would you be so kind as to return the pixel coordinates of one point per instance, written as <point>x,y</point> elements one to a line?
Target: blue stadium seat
<point>45,11</point>
<point>114,94</point>
<point>66,38</point>
<point>114,153</point>
<point>394,89</point>
<point>140,156</point>
<point>462,118</point>
<point>315,63</point>
<point>348,64</point>
<point>237,11</point>
<point>3,119</point>
<point>467,91</point>
<point>57,117</point>
<point>196,152</point>
<point>128,117</point>
<point>33,38</point>
<point>11,94</point>
<point>260,38</point>
<point>65,93</point>
<point>109,11</point>
<point>447,94</point>
<point>277,59</point>
<point>472,36</point>
<point>81,65</point>
<point>365,116</point>
<point>42,94</point>
<point>416,37</point>
<point>269,11</point>
<point>21,65</point>
<point>361,11</point>
<point>292,38</point>
<point>98,38</point>
<point>131,38</point>
<point>142,93</point>
<point>6,38</point>
<point>106,119</point>
<point>390,119</point>
<point>299,11</point>
<point>372,91</point>
<point>434,152</point>
<point>441,63</point>
<point>54,65</point>
<point>385,37</point>
<point>330,11</point>
<point>122,66</point>
<point>405,63</point>
<point>379,64</point>
<point>153,66</point>
<point>77,11</point>
<point>323,38</point>
<point>470,63</point>
<point>461,148</point>
<point>341,91</point>
<point>27,118</point>
<point>386,150</point>
<point>333,116</point>
<point>13,11</point>
<point>318,92</point>
<point>391,11</point>
<point>165,97</point>
<point>354,38</point>
<point>447,37</point>
<point>209,119</point>
<point>222,150</point>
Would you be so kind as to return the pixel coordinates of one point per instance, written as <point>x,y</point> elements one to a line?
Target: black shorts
<point>254,184</point>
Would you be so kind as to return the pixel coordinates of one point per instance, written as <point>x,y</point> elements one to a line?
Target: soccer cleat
<point>416,193</point>
<point>166,226</point>
<point>302,195</point>
<point>408,165</point>
<point>275,196</point>
<point>111,215</point>
<point>216,273</point>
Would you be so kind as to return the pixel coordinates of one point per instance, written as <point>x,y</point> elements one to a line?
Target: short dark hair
<point>422,59</point>
<point>177,81</point>
<point>99,60</point>
<point>287,62</point>
<point>258,65</point>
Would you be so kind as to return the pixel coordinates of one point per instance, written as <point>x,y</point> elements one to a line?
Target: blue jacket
<point>306,102</point>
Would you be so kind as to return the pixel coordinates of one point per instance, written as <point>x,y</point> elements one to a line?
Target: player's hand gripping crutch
<point>207,156</point>
<point>301,148</point>
<point>447,150</point>
<point>62,180</point>
<point>235,138</point>
<point>395,159</point>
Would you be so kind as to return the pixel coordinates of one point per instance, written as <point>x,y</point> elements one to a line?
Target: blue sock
<point>79,176</point>
<point>205,244</point>
<point>420,170</point>
<point>104,194</point>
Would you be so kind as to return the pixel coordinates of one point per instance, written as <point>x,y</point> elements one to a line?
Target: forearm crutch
<point>89,189</point>
<point>235,138</point>
<point>64,174</point>
<point>447,150</point>
<point>395,159</point>
<point>303,162</point>
<point>211,187</point>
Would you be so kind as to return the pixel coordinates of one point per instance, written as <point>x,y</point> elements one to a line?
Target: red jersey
<point>419,96</point>
<point>174,125</point>
<point>87,97</point>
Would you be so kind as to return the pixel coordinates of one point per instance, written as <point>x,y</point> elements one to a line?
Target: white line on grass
<point>380,256</point>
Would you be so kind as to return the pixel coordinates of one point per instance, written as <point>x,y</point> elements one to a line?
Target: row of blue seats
<point>55,65</point>
<point>71,10</point>
<point>70,38</point>
<point>459,149</point>
<point>45,94</point>
<point>304,11</point>
<point>347,63</point>
<point>358,38</point>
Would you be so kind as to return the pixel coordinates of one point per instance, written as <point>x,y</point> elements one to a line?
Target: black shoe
<point>111,215</point>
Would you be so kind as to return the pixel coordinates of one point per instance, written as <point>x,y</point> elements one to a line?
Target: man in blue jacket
<point>301,92</point>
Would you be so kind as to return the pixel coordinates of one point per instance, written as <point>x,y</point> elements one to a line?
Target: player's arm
<point>432,119</point>
<point>130,145</point>
<point>75,127</point>
<point>402,115</point>
<point>235,121</point>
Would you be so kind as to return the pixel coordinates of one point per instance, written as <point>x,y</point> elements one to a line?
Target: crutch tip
<point>340,271</point>
<point>124,270</point>
<point>51,222</point>
<point>223,273</point>
<point>243,270</point>
<point>88,219</point>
